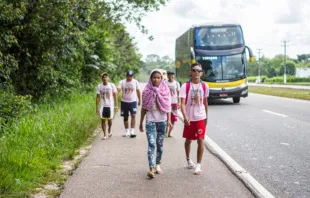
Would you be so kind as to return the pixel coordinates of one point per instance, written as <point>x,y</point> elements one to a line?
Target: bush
<point>12,106</point>
<point>252,79</point>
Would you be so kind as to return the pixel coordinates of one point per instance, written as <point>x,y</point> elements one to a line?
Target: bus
<point>220,49</point>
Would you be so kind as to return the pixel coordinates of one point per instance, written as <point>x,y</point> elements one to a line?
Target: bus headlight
<point>244,92</point>
<point>243,85</point>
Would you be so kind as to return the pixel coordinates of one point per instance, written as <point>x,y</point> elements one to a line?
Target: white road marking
<point>274,113</point>
<point>285,144</point>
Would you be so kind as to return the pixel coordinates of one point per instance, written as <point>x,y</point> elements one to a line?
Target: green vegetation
<point>154,61</point>
<point>275,66</point>
<point>33,147</point>
<point>282,92</point>
<point>49,52</point>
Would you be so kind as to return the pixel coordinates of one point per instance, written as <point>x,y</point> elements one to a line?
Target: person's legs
<point>160,128</point>
<point>189,135</point>
<point>200,150</point>
<point>110,126</point>
<point>125,114</point>
<point>133,112</point>
<point>150,134</point>
<point>104,128</point>
<point>200,134</point>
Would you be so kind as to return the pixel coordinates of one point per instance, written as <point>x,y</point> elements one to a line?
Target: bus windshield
<point>219,37</point>
<point>219,68</point>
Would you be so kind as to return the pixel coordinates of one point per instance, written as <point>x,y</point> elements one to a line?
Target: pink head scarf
<point>161,94</point>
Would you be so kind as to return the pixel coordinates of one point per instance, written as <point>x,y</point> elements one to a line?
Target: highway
<point>269,137</point>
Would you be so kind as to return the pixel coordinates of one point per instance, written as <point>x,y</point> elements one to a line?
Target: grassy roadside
<point>33,148</point>
<point>281,92</point>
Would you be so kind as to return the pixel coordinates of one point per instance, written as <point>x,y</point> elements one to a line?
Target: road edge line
<point>253,185</point>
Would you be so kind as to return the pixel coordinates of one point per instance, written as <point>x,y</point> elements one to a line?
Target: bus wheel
<point>236,99</point>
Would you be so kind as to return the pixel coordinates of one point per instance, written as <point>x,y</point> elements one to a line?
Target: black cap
<point>129,73</point>
<point>170,72</point>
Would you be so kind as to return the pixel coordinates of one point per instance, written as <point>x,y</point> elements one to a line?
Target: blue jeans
<point>155,132</point>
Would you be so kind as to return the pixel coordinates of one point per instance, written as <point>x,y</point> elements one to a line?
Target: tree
<point>290,68</point>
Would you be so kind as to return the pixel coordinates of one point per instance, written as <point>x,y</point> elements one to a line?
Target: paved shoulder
<point>117,167</point>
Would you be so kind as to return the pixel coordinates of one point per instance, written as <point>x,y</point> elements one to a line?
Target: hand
<point>206,121</point>
<point>141,128</point>
<point>170,124</point>
<point>116,108</point>
<point>187,120</point>
<point>139,103</point>
<point>179,105</point>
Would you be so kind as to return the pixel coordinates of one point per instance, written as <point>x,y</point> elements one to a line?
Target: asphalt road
<point>269,137</point>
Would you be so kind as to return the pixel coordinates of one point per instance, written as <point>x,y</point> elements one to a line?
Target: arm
<point>183,109</point>
<point>115,100</point>
<point>143,112</point>
<point>139,96</point>
<point>179,102</point>
<point>97,103</point>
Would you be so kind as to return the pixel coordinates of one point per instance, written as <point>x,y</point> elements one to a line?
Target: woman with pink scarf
<point>156,107</point>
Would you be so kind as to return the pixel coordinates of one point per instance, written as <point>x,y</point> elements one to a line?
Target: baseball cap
<point>129,73</point>
<point>104,73</point>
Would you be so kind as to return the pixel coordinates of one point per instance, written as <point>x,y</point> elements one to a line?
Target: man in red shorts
<point>194,106</point>
<point>174,87</point>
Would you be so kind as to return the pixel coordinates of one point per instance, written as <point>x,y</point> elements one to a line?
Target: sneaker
<point>126,134</point>
<point>158,169</point>
<point>198,170</point>
<point>110,134</point>
<point>190,164</point>
<point>104,137</point>
<point>151,174</point>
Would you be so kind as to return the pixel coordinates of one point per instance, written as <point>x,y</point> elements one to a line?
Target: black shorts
<point>127,107</point>
<point>106,112</point>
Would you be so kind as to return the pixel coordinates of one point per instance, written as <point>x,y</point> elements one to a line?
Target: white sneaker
<point>126,134</point>
<point>190,164</point>
<point>198,170</point>
<point>158,169</point>
<point>104,137</point>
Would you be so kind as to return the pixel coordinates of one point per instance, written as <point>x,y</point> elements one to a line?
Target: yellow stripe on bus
<point>226,84</point>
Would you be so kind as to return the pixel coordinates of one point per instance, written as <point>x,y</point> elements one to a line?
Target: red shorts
<point>195,130</point>
<point>174,115</point>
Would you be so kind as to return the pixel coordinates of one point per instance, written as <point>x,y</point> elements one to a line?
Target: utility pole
<point>259,65</point>
<point>284,60</point>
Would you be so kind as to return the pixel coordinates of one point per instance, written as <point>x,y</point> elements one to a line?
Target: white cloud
<point>265,24</point>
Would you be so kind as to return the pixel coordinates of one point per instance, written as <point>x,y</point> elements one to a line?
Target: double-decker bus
<point>221,50</point>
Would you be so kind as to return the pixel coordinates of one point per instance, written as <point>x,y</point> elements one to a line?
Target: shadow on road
<point>214,102</point>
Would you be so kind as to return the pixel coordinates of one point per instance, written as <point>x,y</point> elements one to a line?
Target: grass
<point>33,148</point>
<point>281,92</point>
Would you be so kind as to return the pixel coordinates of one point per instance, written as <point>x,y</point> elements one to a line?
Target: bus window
<point>218,36</point>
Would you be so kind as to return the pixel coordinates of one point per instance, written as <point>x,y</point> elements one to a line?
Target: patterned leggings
<point>155,132</point>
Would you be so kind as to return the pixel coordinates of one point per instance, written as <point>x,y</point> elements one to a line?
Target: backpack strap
<point>204,88</point>
<point>187,90</point>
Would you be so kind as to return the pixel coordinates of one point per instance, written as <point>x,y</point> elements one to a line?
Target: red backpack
<point>204,87</point>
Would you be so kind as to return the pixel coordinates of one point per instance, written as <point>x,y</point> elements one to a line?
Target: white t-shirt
<point>106,93</point>
<point>155,115</point>
<point>174,87</point>
<point>195,107</point>
<point>129,89</point>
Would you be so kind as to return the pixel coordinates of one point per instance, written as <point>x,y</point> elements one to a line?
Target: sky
<point>265,24</point>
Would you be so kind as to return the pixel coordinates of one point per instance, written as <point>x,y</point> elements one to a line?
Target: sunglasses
<point>196,70</point>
